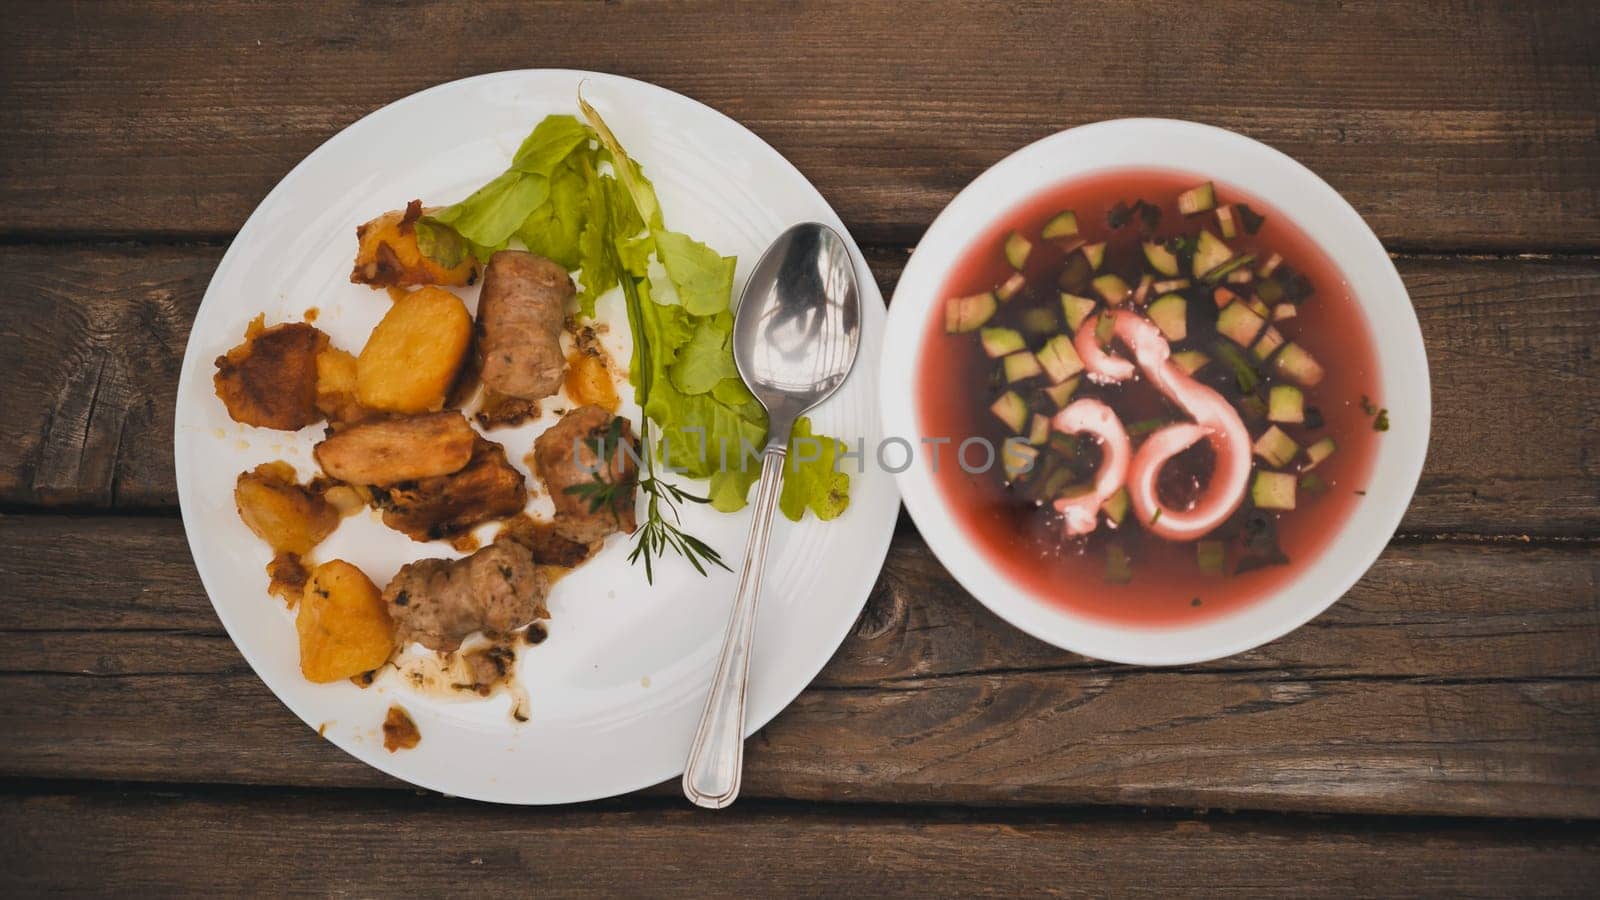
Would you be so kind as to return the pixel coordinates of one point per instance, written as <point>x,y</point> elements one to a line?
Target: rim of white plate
<point>873,500</point>
<point>1292,190</point>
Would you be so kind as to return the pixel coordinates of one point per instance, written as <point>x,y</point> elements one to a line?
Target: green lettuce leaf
<point>710,426</point>
<point>815,484</point>
<point>487,219</point>
<point>549,145</point>
<point>552,229</point>
<point>707,359</point>
<point>703,277</point>
<point>639,187</point>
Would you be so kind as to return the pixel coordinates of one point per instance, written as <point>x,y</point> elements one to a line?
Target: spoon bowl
<point>798,325</point>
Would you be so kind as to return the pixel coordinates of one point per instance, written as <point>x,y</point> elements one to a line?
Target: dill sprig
<point>660,532</point>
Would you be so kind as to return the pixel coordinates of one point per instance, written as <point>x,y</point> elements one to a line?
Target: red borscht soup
<point>1179,389</point>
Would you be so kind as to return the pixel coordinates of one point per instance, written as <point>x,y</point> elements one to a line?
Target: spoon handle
<point>716,759</point>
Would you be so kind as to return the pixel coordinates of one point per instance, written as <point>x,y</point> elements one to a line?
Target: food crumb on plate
<point>399,732</point>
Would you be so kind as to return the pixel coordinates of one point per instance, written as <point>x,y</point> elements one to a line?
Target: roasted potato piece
<point>448,506</point>
<point>336,386</point>
<point>270,380</point>
<point>290,518</point>
<point>343,624</point>
<point>589,379</point>
<point>414,353</point>
<point>387,254</point>
<point>388,451</point>
<point>589,382</point>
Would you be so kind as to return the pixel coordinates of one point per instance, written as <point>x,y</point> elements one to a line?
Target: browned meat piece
<point>270,380</point>
<point>287,576</point>
<point>520,313</point>
<point>566,457</point>
<point>498,410</point>
<point>445,506</point>
<point>489,667</point>
<point>549,548</point>
<point>437,602</point>
<point>389,451</point>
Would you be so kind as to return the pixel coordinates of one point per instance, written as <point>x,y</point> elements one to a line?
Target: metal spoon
<point>795,337</point>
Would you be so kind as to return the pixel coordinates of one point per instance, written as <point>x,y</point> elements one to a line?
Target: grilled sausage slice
<point>388,451</point>
<point>520,313</point>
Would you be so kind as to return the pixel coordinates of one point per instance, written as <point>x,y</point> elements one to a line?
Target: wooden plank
<point>1470,126</point>
<point>1452,680</point>
<point>95,337</point>
<point>187,844</point>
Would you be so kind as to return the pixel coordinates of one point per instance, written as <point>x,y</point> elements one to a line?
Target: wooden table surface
<point>1436,732</point>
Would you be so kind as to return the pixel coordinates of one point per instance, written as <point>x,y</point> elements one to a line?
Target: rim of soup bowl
<point>1327,219</point>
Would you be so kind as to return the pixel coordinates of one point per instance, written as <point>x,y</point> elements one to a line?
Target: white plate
<point>1290,189</point>
<point>617,689</point>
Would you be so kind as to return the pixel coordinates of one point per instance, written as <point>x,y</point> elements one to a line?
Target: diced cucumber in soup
<point>1059,359</point>
<point>1116,506</point>
<point>1104,329</point>
<point>1062,224</point>
<point>1017,250</point>
<point>1039,320</point>
<point>1209,253</point>
<point>1284,311</point>
<point>1287,404</point>
<point>1197,199</point>
<point>1142,292</point>
<point>1171,315</point>
<point>1017,459</point>
<point>1261,309</point>
<point>1061,394</point>
<point>1271,340</point>
<point>1160,258</point>
<point>1299,366</point>
<point>1038,430</point>
<point>1319,451</point>
<point>1169,285</point>
<point>1269,291</point>
<point>1077,309</point>
<point>998,342</point>
<point>1112,288</point>
<point>1212,556</point>
<point>1276,447</point>
<point>1241,276</point>
<point>1011,409</point>
<point>1227,223</point>
<point>1012,287</point>
<point>1095,254</point>
<point>1240,324</point>
<point>1266,269</point>
<point>1273,490</point>
<point>1190,361</point>
<point>1021,366</point>
<point>963,314</point>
